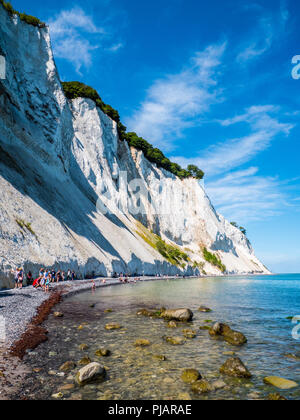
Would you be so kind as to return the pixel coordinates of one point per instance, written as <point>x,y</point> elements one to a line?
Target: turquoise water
<point>257,306</point>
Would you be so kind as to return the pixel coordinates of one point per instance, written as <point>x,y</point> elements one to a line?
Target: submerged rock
<point>93,372</point>
<point>184,396</point>
<point>142,343</point>
<point>58,314</point>
<point>83,347</point>
<point>230,336</point>
<point>175,341</point>
<point>276,397</point>
<point>189,333</point>
<point>293,356</point>
<point>280,383</point>
<point>58,396</point>
<point>184,315</point>
<point>201,387</point>
<point>219,384</point>
<point>172,324</point>
<point>67,366</point>
<point>189,376</point>
<point>113,327</point>
<point>235,367</point>
<point>84,361</point>
<point>102,352</point>
<point>204,309</point>
<point>159,357</point>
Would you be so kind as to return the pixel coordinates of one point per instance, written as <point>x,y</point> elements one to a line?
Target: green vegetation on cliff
<point>31,20</point>
<point>213,260</point>
<point>75,90</point>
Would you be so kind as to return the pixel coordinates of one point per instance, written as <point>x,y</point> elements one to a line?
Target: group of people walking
<point>46,277</point>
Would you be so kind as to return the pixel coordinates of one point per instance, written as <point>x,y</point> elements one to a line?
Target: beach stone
<point>108,311</point>
<point>93,372</point>
<point>92,305</point>
<point>58,314</point>
<point>235,367</point>
<point>84,361</point>
<point>58,396</point>
<point>175,341</point>
<point>276,397</point>
<point>204,327</point>
<point>184,315</point>
<point>280,383</point>
<point>102,353</point>
<point>184,396</point>
<point>219,384</point>
<point>159,357</point>
<point>112,326</point>
<point>189,376</point>
<point>204,309</point>
<point>189,333</point>
<point>142,343</point>
<point>293,356</point>
<point>67,387</point>
<point>201,387</point>
<point>83,347</point>
<point>230,336</point>
<point>172,324</point>
<point>67,366</point>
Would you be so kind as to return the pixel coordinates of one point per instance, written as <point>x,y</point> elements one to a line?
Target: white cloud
<point>176,101</point>
<point>270,27</point>
<point>229,154</point>
<point>245,196</point>
<point>75,36</point>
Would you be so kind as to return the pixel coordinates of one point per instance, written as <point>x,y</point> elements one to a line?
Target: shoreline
<point>30,333</point>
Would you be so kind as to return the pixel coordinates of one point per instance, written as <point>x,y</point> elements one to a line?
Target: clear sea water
<point>258,306</point>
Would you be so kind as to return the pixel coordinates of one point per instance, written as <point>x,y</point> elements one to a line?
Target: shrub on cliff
<point>214,260</point>
<point>31,20</point>
<point>75,90</point>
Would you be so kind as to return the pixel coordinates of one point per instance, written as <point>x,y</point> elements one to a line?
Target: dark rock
<point>235,367</point>
<point>230,336</point>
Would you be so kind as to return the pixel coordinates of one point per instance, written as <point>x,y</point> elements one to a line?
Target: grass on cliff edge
<point>171,253</point>
<point>31,20</point>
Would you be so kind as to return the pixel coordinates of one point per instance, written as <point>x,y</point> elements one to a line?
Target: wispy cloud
<point>263,127</point>
<point>245,196</point>
<point>174,102</point>
<point>270,26</point>
<point>75,36</point>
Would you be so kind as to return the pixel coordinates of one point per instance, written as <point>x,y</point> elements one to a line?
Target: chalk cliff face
<point>61,160</point>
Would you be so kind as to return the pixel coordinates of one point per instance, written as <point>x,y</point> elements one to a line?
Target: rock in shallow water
<point>93,372</point>
<point>204,309</point>
<point>280,383</point>
<point>183,315</point>
<point>230,336</point>
<point>235,367</point>
<point>175,341</point>
<point>201,387</point>
<point>276,397</point>
<point>113,327</point>
<point>67,366</point>
<point>142,343</point>
<point>102,352</point>
<point>189,376</point>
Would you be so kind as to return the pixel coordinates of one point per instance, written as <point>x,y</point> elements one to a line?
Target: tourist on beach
<point>53,275</point>
<point>63,276</point>
<point>20,278</point>
<point>58,276</point>
<point>69,275</point>
<point>16,277</point>
<point>29,278</point>
<point>73,276</point>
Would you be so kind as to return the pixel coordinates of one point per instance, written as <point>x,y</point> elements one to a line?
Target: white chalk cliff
<point>56,159</point>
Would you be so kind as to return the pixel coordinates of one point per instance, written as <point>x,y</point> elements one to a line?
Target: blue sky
<point>207,82</point>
